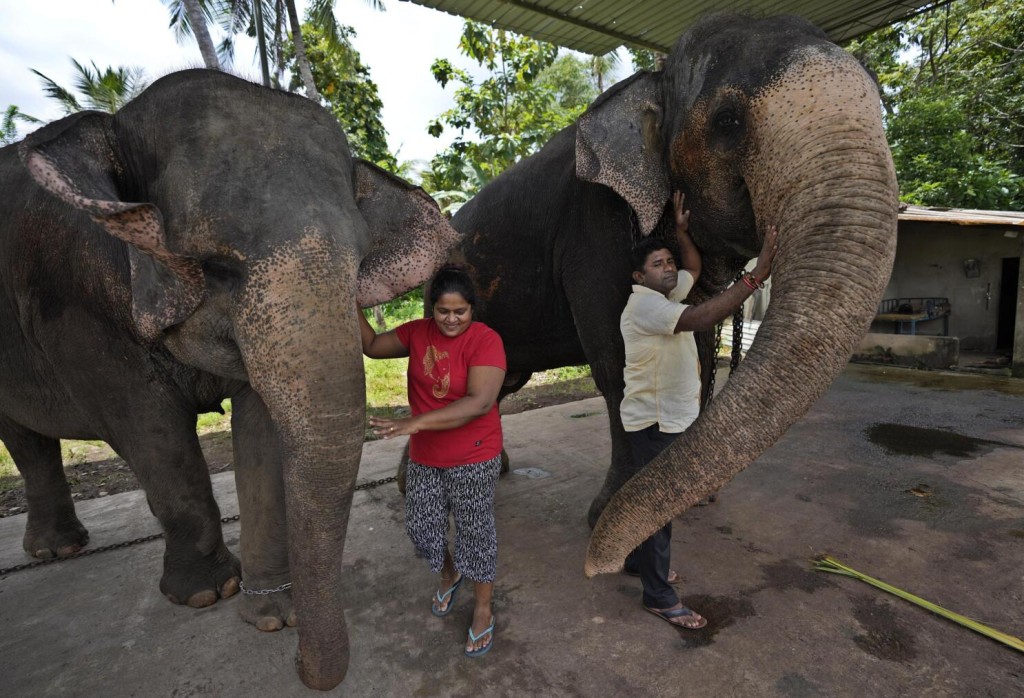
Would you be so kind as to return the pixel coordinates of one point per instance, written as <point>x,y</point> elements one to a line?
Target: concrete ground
<point>912,477</point>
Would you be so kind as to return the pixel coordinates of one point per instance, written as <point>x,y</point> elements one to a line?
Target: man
<point>662,376</point>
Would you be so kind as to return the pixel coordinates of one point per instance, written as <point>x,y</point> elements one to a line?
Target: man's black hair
<point>644,249</point>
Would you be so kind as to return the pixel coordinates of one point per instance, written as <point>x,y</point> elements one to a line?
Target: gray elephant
<point>758,122</point>
<point>209,240</point>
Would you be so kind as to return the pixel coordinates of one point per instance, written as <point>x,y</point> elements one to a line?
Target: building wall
<point>930,262</point>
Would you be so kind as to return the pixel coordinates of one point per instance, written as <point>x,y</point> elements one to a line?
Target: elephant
<point>210,240</point>
<point>759,122</point>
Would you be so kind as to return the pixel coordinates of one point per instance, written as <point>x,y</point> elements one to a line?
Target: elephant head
<point>242,235</point>
<point>759,122</point>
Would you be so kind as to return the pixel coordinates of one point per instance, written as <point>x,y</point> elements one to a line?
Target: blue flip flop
<point>448,596</point>
<point>669,616</point>
<point>473,638</point>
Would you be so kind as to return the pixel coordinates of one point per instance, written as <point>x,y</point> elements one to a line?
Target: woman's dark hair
<point>638,256</point>
<point>451,278</point>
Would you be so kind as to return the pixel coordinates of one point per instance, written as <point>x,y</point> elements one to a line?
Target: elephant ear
<point>617,144</point>
<point>76,161</point>
<point>409,236</point>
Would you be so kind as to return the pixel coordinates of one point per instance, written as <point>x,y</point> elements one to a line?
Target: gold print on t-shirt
<point>436,365</point>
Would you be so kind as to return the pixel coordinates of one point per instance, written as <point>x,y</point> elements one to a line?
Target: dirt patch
<point>94,470</point>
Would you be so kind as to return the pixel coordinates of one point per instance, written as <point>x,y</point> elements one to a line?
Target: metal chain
<point>736,350</point>
<point>737,339</point>
<point>156,536</point>
<point>263,592</point>
<point>714,365</point>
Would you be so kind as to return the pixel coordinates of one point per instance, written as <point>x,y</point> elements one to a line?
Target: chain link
<point>736,350</point>
<point>156,536</point>
<point>264,592</point>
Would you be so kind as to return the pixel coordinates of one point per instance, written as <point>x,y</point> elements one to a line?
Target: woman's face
<point>452,314</point>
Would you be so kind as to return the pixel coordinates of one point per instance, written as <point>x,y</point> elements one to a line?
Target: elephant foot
<point>269,612</point>
<point>55,540</point>
<point>201,582</point>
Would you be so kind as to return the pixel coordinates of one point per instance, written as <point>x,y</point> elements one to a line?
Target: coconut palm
<point>9,126</point>
<point>602,66</point>
<point>103,90</point>
<point>190,18</point>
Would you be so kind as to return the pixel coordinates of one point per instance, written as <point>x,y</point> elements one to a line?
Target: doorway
<point>1007,322</point>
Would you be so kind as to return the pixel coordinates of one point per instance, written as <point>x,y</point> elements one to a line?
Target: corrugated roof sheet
<point>961,216</point>
<point>599,26</point>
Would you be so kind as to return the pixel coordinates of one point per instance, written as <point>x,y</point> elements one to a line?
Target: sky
<point>398,45</point>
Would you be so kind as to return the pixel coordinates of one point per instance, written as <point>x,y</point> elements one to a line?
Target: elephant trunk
<point>297,330</point>
<point>835,205</point>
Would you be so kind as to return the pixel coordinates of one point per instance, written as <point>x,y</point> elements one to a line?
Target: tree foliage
<point>9,125</point>
<point>504,117</point>
<point>103,90</point>
<point>954,110</point>
<point>344,84</point>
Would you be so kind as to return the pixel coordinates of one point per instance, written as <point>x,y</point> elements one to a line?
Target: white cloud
<point>398,45</point>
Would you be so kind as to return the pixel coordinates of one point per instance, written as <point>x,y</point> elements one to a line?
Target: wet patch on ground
<point>939,445</point>
<point>720,611</point>
<point>786,574</point>
<point>888,492</point>
<point>885,637</point>
<point>797,686</point>
<point>937,380</point>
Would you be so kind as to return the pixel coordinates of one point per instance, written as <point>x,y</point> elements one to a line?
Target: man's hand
<point>763,268</point>
<point>689,254</point>
<point>682,213</point>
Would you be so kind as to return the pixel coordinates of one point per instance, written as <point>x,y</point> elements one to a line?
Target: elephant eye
<point>727,119</point>
<point>222,269</point>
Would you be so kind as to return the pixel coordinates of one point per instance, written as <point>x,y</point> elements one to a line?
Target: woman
<point>456,368</point>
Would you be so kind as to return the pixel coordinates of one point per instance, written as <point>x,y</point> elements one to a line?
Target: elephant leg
<point>621,467</point>
<point>596,298</point>
<point>53,529</point>
<point>264,538</point>
<point>163,451</point>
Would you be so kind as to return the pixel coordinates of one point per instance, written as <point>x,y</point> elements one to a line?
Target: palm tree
<point>189,18</point>
<point>264,18</point>
<point>601,66</point>
<point>103,90</point>
<point>9,127</point>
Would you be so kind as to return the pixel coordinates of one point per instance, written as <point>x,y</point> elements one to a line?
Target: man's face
<point>660,272</point>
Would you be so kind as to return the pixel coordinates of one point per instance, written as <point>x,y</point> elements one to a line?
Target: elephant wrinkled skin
<point>758,122</point>
<point>210,240</point>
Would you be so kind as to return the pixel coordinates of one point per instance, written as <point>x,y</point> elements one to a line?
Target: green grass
<point>385,391</point>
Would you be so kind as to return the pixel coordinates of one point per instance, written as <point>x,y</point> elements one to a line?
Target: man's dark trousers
<point>651,558</point>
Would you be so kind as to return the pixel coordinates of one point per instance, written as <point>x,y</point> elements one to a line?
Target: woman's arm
<point>379,346</point>
<point>481,393</point>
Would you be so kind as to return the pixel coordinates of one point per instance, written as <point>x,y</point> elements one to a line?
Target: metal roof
<point>600,26</point>
<point>961,216</point>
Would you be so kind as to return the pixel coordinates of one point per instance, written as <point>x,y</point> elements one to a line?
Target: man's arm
<point>705,316</point>
<point>689,255</point>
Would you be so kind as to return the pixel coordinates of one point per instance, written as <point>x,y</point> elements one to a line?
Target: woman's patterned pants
<point>466,493</point>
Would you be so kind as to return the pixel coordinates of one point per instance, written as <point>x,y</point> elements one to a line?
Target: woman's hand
<point>763,268</point>
<point>384,428</point>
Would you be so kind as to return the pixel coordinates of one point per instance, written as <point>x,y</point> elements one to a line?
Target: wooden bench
<point>906,313</point>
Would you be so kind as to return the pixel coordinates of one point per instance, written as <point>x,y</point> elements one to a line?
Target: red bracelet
<point>749,280</point>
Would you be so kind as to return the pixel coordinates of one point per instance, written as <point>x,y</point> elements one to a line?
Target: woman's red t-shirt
<point>438,376</point>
